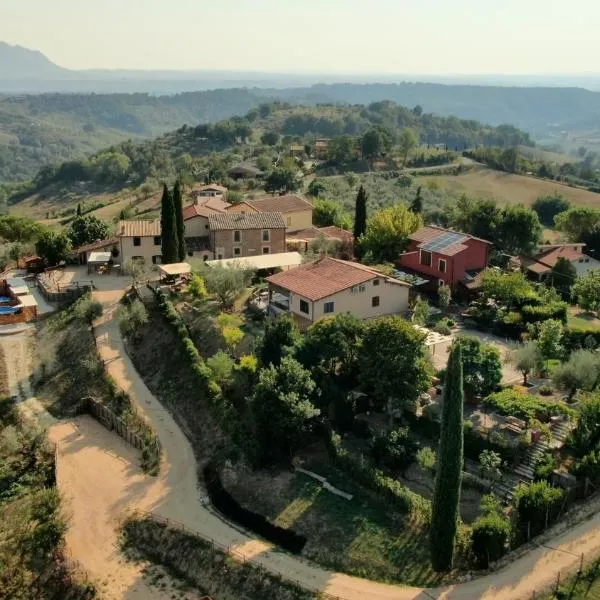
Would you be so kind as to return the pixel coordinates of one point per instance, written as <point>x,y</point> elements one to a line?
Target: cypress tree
<point>444,518</point>
<point>168,228</point>
<point>360,217</point>
<point>416,206</point>
<point>78,209</point>
<point>178,207</point>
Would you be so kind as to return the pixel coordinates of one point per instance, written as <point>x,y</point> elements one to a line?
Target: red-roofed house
<point>195,219</point>
<point>445,257</point>
<point>331,286</point>
<point>540,265</point>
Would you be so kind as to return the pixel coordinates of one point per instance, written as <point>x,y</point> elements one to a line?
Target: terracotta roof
<point>210,186</point>
<point>544,262</point>
<point>139,228</point>
<point>197,244</point>
<point>259,220</point>
<point>311,233</point>
<point>285,204</point>
<point>429,234</point>
<point>97,245</point>
<point>325,277</point>
<point>204,207</point>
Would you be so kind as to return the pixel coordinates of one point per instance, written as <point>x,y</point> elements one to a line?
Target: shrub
<point>544,312</point>
<point>87,309</point>
<point>545,465</point>
<point>537,506</point>
<point>546,390</point>
<point>511,402</point>
<point>393,449</point>
<point>490,535</point>
<point>442,328</point>
<point>197,287</point>
<point>132,317</point>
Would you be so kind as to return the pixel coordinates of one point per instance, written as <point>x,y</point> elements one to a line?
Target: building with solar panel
<point>445,257</point>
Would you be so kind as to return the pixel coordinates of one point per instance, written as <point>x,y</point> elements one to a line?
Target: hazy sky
<point>359,36</point>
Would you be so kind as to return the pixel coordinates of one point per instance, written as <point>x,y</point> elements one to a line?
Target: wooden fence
<point>64,294</point>
<point>111,421</point>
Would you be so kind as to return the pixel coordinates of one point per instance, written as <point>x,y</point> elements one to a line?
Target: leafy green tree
<point>197,287</point>
<point>549,206</point>
<point>222,366</point>
<point>393,362</point>
<point>132,317</point>
<point>526,358</point>
<point>519,230</point>
<point>283,410</point>
<point>407,141</point>
<point>282,180</point>
<point>577,222</point>
<point>392,449</point>
<point>480,218</point>
<point>87,229</point>
<point>53,247</point>
<point>446,499</point>
<point>444,296</point>
<point>19,229</point>
<point>168,228</point>
<point>580,372</point>
<point>481,364</point>
<point>489,464</point>
<point>506,288</point>
<point>329,212</point>
<point>316,188</point>
<point>137,269</point>
<point>537,505</point>
<point>226,283</point>
<point>270,138</point>
<point>342,150</point>
<point>360,213</point>
<point>178,208</point>
<point>563,276</point>
<point>426,459</point>
<point>587,433</point>
<point>420,311</point>
<point>586,290</point>
<point>549,339</point>
<point>280,339</point>
<point>388,231</point>
<point>87,309</point>
<point>375,141</point>
<point>490,534</point>
<point>416,206</point>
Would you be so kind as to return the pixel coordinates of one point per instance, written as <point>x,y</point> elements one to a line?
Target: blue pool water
<point>5,299</point>
<point>9,310</point>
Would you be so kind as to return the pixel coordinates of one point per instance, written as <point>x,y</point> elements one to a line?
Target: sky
<point>328,36</point>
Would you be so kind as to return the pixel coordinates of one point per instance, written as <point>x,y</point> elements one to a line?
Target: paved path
<point>174,494</point>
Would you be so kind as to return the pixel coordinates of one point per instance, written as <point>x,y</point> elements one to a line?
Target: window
<point>157,259</point>
<point>328,307</point>
<point>288,221</point>
<point>219,257</point>
<point>361,288</point>
<point>442,265</point>
<point>237,236</point>
<point>426,258</point>
<point>157,240</point>
<point>190,253</point>
<point>375,301</point>
<point>137,241</point>
<point>266,235</point>
<point>266,250</point>
<point>376,282</point>
<point>237,251</point>
<point>304,306</point>
<point>205,258</point>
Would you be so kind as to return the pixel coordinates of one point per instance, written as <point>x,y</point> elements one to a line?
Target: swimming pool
<point>5,299</point>
<point>9,310</point>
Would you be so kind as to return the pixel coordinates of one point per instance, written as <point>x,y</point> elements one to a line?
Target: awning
<point>262,261</point>
<point>99,258</point>
<point>174,269</point>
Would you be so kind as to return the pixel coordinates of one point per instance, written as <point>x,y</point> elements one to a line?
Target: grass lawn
<point>581,319</point>
<point>362,537</point>
<point>511,189</point>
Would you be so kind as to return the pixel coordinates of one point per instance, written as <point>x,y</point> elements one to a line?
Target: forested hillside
<point>246,137</point>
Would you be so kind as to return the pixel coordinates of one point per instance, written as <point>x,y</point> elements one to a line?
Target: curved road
<point>175,495</point>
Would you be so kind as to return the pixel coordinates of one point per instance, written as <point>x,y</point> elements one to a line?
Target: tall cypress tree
<point>168,228</point>
<point>360,218</point>
<point>178,207</point>
<point>444,518</point>
<point>416,206</point>
<point>78,209</point>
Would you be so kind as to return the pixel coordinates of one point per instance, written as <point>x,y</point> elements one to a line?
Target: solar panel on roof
<point>444,241</point>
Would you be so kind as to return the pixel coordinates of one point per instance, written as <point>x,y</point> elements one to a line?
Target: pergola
<point>98,261</point>
<point>174,270</point>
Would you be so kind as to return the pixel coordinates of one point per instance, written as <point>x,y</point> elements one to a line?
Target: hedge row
<point>200,369</point>
<point>574,339</point>
<point>393,491</point>
<point>228,506</point>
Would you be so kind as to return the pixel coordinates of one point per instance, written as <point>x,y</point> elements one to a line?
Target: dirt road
<point>101,474</point>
